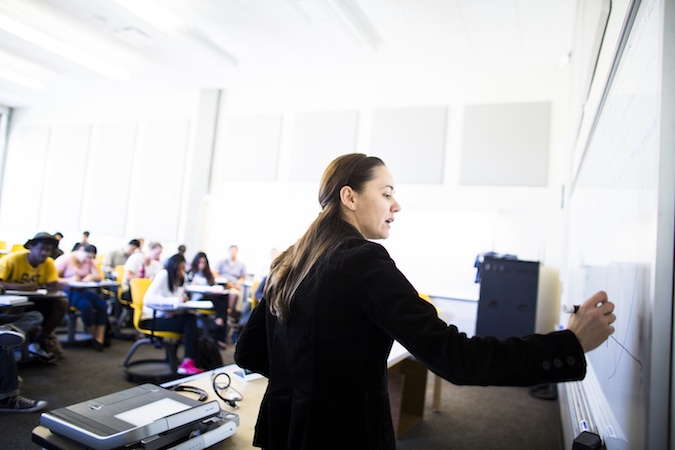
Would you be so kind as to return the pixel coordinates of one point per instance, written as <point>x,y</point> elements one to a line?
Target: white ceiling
<point>226,43</point>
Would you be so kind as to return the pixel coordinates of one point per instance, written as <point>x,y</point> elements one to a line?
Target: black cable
<point>203,396</point>
<point>221,387</point>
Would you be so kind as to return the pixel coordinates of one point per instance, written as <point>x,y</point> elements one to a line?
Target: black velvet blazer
<point>327,365</point>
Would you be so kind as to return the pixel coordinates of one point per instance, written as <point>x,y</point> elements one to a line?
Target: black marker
<point>570,309</point>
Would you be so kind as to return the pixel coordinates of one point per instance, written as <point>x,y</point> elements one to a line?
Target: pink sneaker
<point>188,367</point>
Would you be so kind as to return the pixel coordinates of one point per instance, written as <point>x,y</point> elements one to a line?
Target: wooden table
<point>407,389</point>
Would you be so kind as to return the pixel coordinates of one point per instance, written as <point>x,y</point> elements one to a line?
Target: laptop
<point>127,417</point>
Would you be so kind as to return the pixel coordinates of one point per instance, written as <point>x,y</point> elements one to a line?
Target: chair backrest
<point>17,247</point>
<point>3,245</point>
<point>119,273</point>
<point>119,276</point>
<point>138,287</point>
<point>253,300</point>
<point>428,299</point>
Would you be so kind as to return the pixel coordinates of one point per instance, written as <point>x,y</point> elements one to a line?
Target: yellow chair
<point>252,299</point>
<point>150,369</point>
<point>17,247</point>
<point>123,317</point>
<point>3,246</point>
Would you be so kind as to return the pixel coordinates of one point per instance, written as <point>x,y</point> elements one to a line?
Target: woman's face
<point>202,264</point>
<point>372,211</point>
<point>84,257</point>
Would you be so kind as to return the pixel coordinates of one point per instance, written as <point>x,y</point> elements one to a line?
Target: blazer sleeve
<point>251,351</point>
<point>394,305</point>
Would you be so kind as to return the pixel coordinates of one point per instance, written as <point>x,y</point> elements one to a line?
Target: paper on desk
<point>83,283</point>
<point>26,293</point>
<point>204,289</point>
<point>197,304</point>
<point>12,299</point>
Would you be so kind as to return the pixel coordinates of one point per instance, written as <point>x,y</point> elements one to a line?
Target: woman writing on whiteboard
<point>333,304</point>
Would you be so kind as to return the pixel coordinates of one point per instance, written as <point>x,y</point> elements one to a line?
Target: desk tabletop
<point>36,294</point>
<point>91,284</point>
<point>252,392</point>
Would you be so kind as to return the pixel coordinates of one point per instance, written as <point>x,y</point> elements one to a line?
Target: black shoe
<point>18,403</point>
<point>97,345</point>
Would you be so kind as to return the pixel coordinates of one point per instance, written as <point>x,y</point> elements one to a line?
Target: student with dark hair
<point>118,258</point>
<point>200,274</point>
<point>34,269</point>
<point>85,240</point>
<point>170,283</point>
<point>334,303</point>
<point>79,266</point>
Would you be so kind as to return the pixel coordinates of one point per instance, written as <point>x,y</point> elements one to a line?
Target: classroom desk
<point>405,401</point>
<point>7,302</point>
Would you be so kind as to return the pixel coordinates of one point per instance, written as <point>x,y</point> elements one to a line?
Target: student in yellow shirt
<point>33,269</point>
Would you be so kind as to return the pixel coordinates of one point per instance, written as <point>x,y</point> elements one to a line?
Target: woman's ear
<point>347,196</point>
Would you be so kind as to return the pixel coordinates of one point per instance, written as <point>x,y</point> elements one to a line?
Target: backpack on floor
<point>208,354</point>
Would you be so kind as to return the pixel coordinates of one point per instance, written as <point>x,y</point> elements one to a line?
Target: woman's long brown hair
<point>323,236</point>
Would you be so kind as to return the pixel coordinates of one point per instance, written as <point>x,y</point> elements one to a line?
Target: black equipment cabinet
<point>508,297</point>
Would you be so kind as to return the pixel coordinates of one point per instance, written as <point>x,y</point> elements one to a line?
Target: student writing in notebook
<point>79,266</point>
<point>33,269</point>
<point>170,283</point>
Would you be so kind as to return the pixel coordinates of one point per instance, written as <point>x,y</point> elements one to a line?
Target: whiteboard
<point>617,242</point>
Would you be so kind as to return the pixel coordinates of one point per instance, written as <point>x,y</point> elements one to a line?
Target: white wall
<point>441,228</point>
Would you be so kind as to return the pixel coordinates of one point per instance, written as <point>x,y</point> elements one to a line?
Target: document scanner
<point>146,416</point>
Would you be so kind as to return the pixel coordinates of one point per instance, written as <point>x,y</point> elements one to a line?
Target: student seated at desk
<point>79,266</point>
<point>33,269</point>
<point>118,258</point>
<point>200,274</point>
<point>13,330</point>
<point>234,271</point>
<point>170,282</point>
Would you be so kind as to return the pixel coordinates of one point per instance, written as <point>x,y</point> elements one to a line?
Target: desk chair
<point>150,369</point>
<point>123,317</point>
<point>16,248</point>
<point>252,299</point>
<point>73,337</point>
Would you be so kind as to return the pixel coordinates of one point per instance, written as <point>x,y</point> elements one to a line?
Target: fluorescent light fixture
<point>352,16</point>
<point>154,14</point>
<point>205,41</point>
<point>344,13</point>
<point>62,49</point>
<point>21,79</point>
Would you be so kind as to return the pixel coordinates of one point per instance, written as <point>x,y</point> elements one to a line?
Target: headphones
<point>219,387</point>
<point>192,389</point>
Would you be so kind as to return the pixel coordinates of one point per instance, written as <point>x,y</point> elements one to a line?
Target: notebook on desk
<point>9,300</point>
<point>127,417</point>
<point>26,293</point>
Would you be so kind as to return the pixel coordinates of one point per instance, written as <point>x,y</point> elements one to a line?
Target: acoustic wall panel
<point>64,178</point>
<point>411,141</point>
<point>251,148</point>
<point>108,180</point>
<point>320,137</point>
<point>158,193</point>
<point>23,178</point>
<point>505,145</point>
